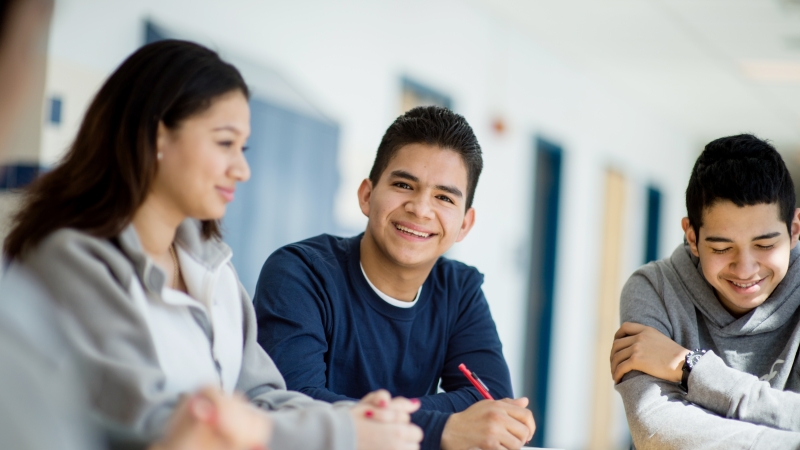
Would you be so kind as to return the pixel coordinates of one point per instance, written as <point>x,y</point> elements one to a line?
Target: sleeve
<point>742,396</point>
<point>299,421</point>
<point>474,342</point>
<point>659,416</point>
<point>104,327</point>
<point>40,381</point>
<point>292,308</point>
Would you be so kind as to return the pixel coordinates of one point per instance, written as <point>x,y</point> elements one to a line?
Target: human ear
<point>162,139</point>
<point>795,227</point>
<point>466,224</point>
<point>691,236</point>
<point>364,196</point>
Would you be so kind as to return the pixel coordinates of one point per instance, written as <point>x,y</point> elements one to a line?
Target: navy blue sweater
<point>334,339</point>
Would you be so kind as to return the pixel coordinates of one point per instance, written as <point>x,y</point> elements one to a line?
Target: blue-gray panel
<point>18,176</point>
<point>290,195</point>
<point>430,95</point>
<point>153,33</point>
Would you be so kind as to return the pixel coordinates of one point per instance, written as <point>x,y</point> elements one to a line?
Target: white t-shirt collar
<point>386,298</point>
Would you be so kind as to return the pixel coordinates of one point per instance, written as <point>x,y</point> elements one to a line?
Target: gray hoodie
<point>727,405</point>
<point>90,279</point>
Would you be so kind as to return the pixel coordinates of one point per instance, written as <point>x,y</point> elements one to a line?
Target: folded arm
<point>712,384</point>
<point>739,395</point>
<point>659,413</point>
<point>659,418</point>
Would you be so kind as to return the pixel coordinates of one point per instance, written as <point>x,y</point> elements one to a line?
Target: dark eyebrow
<point>449,189</point>
<point>405,175</point>
<point>767,236</point>
<point>757,238</point>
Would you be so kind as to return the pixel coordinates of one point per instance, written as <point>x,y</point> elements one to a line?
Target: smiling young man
<point>707,354</point>
<point>384,309</point>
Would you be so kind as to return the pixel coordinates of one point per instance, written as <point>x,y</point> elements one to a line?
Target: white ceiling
<point>713,67</point>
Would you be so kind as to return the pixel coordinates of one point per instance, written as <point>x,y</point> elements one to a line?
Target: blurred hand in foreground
<point>383,422</point>
<point>213,420</point>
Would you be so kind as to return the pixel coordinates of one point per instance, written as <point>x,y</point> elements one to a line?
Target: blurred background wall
<point>590,115</point>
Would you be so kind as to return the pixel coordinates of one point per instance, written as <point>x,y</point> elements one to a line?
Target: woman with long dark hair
<point>42,403</point>
<point>124,234</point>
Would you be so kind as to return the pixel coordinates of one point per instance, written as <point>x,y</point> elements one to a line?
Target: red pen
<point>473,378</point>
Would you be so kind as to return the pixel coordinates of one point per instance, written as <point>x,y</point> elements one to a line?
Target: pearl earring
<point>159,155</point>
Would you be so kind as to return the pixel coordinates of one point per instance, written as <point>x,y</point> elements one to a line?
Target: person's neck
<point>735,313</point>
<point>394,280</point>
<point>156,223</point>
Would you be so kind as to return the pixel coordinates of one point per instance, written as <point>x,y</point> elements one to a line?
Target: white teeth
<point>410,231</point>
<point>744,285</point>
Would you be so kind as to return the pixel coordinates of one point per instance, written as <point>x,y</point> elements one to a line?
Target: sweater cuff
<point>313,428</point>
<point>711,383</point>
<point>432,424</point>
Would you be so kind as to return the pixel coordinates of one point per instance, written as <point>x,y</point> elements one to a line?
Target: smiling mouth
<point>745,285</point>
<point>411,232</point>
<point>226,193</point>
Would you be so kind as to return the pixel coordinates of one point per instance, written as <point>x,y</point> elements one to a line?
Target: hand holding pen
<point>489,423</point>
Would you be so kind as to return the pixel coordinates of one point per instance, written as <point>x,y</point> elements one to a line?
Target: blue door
<point>544,236</point>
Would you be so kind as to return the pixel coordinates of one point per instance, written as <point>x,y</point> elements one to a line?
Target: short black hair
<point>744,170</point>
<point>432,125</point>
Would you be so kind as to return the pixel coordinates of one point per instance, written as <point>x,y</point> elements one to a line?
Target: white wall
<point>349,56</point>
<point>76,85</point>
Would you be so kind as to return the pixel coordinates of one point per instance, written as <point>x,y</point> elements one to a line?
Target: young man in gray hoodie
<point>707,353</point>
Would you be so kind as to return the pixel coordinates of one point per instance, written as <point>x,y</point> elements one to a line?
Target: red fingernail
<point>204,410</point>
<point>382,403</point>
<point>368,414</point>
<point>415,401</point>
<point>213,418</point>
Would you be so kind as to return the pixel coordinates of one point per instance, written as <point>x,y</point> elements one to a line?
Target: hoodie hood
<point>769,316</point>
